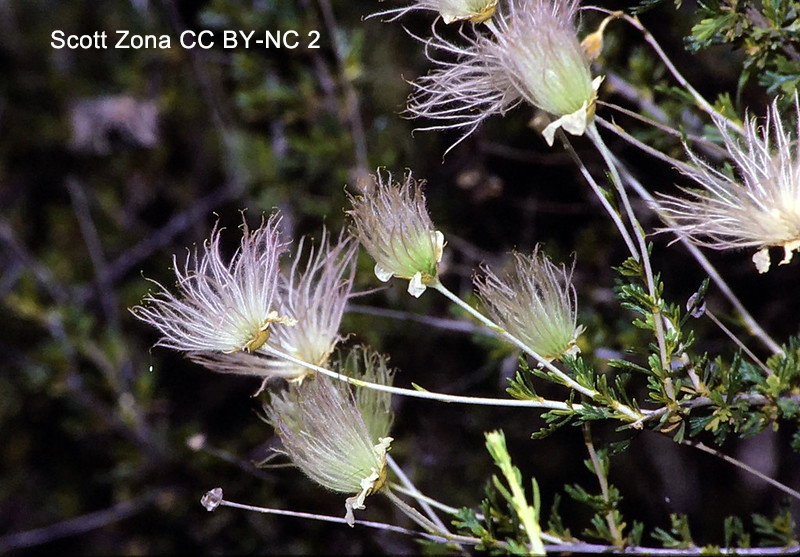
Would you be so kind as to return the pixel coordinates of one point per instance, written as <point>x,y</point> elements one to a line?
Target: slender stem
<point>703,401</point>
<point>415,515</point>
<point>594,135</point>
<point>697,140</point>
<point>738,342</point>
<point>563,377</point>
<point>442,397</point>
<point>452,510</point>
<point>600,196</point>
<point>336,520</point>
<point>680,165</point>
<point>603,481</point>
<point>559,546</point>
<point>454,325</point>
<point>583,548</point>
<point>414,492</point>
<point>739,464</point>
<point>701,102</point>
<point>749,321</point>
<point>566,379</point>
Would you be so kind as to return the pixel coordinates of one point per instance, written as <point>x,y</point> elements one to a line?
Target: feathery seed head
<point>538,47</point>
<point>533,56</point>
<point>313,296</point>
<point>362,362</point>
<point>760,207</point>
<point>393,225</point>
<point>322,427</point>
<point>221,306</point>
<point>535,301</point>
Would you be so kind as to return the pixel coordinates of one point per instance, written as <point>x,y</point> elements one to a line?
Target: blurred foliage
<point>108,444</point>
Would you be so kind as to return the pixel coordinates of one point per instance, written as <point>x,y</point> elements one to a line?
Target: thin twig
<point>339,520</point>
<point>429,395</point>
<point>563,377</point>
<point>78,525</point>
<point>558,547</point>
<point>436,322</point>
<point>739,464</point>
<point>609,159</point>
<point>699,100</point>
<point>94,246</point>
<point>198,443</point>
<point>428,500</point>
<point>415,515</point>
<point>42,274</point>
<point>738,342</point>
<point>600,195</point>
<point>412,490</point>
<point>352,104</point>
<point>702,401</point>
<point>594,549</point>
<point>453,511</point>
<point>164,236</point>
<point>708,147</point>
<point>680,165</point>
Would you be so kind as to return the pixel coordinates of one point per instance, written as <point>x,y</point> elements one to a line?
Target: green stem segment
<point>602,479</point>
<point>528,514</point>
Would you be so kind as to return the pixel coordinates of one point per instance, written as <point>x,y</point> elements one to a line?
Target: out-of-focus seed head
<point>759,207</point>
<point>392,223</point>
<point>362,362</point>
<point>534,300</point>
<point>314,296</point>
<point>323,429</point>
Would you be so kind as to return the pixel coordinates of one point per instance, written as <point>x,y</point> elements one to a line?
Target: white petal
<point>761,260</point>
<point>383,446</point>
<point>415,286</point>
<point>550,131</point>
<point>574,123</point>
<point>382,274</point>
<point>450,18</point>
<point>788,250</point>
<point>356,502</point>
<point>439,245</point>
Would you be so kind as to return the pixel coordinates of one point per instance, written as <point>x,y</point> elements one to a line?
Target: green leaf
<point>776,532</point>
<point>679,535</point>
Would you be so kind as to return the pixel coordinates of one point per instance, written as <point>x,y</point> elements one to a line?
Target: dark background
<point>92,420</point>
